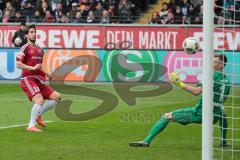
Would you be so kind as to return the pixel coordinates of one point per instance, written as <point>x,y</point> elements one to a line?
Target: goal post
<point>227,22</point>
<point>207,119</point>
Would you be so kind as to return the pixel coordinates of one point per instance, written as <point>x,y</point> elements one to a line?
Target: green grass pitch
<point>105,137</point>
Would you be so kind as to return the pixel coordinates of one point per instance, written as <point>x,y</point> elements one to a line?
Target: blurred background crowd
<point>115,11</point>
<point>191,12</point>
<point>72,11</point>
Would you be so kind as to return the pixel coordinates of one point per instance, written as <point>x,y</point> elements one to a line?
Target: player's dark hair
<point>222,58</point>
<point>29,27</point>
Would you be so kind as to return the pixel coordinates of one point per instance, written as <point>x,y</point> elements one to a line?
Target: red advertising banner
<point>122,37</point>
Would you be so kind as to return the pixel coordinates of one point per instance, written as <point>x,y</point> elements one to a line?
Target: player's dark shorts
<point>189,115</point>
<point>32,86</point>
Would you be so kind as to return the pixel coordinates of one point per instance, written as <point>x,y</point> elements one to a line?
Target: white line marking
<point>19,125</point>
<point>120,101</point>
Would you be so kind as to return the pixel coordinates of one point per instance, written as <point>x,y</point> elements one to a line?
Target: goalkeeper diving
<point>189,115</point>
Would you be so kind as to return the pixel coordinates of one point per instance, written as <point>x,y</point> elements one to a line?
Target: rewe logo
<point>8,68</point>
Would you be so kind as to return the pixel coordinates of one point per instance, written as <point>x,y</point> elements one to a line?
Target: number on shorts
<point>36,89</point>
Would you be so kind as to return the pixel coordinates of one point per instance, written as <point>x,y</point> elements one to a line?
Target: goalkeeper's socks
<point>34,114</point>
<point>224,126</point>
<point>49,104</point>
<point>158,127</point>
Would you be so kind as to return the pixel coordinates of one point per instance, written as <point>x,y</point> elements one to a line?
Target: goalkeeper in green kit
<point>185,116</point>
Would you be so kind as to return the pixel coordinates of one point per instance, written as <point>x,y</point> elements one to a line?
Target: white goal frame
<point>208,52</point>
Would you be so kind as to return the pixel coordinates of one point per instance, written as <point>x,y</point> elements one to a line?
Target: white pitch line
<point>19,125</point>
<point>120,101</point>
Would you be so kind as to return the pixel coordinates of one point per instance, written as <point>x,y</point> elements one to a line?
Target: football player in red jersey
<point>33,80</point>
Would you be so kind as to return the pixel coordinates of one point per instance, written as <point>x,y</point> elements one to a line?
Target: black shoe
<point>223,144</point>
<point>139,144</point>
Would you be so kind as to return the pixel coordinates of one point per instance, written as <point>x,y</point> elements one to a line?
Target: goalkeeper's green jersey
<point>221,90</point>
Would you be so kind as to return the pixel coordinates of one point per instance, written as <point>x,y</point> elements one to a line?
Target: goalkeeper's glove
<point>173,77</point>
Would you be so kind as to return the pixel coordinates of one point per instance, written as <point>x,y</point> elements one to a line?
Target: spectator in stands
<point>228,12</point>
<point>124,9</point>
<point>218,7</point>
<point>83,5</point>
<point>53,3</point>
<point>20,34</point>
<point>199,18</point>
<point>6,17</point>
<point>40,2</point>
<point>198,7</point>
<point>173,3</point>
<point>185,4</point>
<point>58,12</point>
<point>74,9</point>
<point>37,18</point>
<point>164,12</point>
<point>85,11</point>
<point>23,5</point>
<point>105,4</point>
<point>33,3</point>
<point>98,11</point>
<point>178,15</point>
<point>18,17</point>
<point>191,14</point>
<point>49,17</point>
<point>105,17</point>
<point>78,18</point>
<point>28,10</point>
<point>64,19</point>
<point>44,8</point>
<point>133,9</point>
<point>155,18</point>
<point>169,19</point>
<point>70,2</point>
<point>113,13</point>
<point>91,17</point>
<point>10,9</point>
<point>16,4</point>
<point>195,3</point>
<point>93,5</point>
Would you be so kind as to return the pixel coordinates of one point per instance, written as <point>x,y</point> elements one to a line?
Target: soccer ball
<point>190,45</point>
<point>18,41</point>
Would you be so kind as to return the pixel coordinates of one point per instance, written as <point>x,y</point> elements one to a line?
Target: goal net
<point>226,133</point>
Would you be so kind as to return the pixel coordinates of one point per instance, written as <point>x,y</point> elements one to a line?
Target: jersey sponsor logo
<point>189,67</point>
<point>128,65</point>
<point>36,57</point>
<point>53,59</point>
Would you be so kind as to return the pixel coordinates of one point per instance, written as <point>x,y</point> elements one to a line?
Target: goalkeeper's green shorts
<point>189,115</point>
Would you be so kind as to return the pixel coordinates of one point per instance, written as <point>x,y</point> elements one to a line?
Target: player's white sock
<point>49,104</point>
<point>34,114</point>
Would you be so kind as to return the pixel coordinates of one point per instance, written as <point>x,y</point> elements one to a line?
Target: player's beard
<point>32,40</point>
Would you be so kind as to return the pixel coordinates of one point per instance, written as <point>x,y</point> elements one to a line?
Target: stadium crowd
<point>72,11</point>
<point>114,11</point>
<point>191,12</point>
